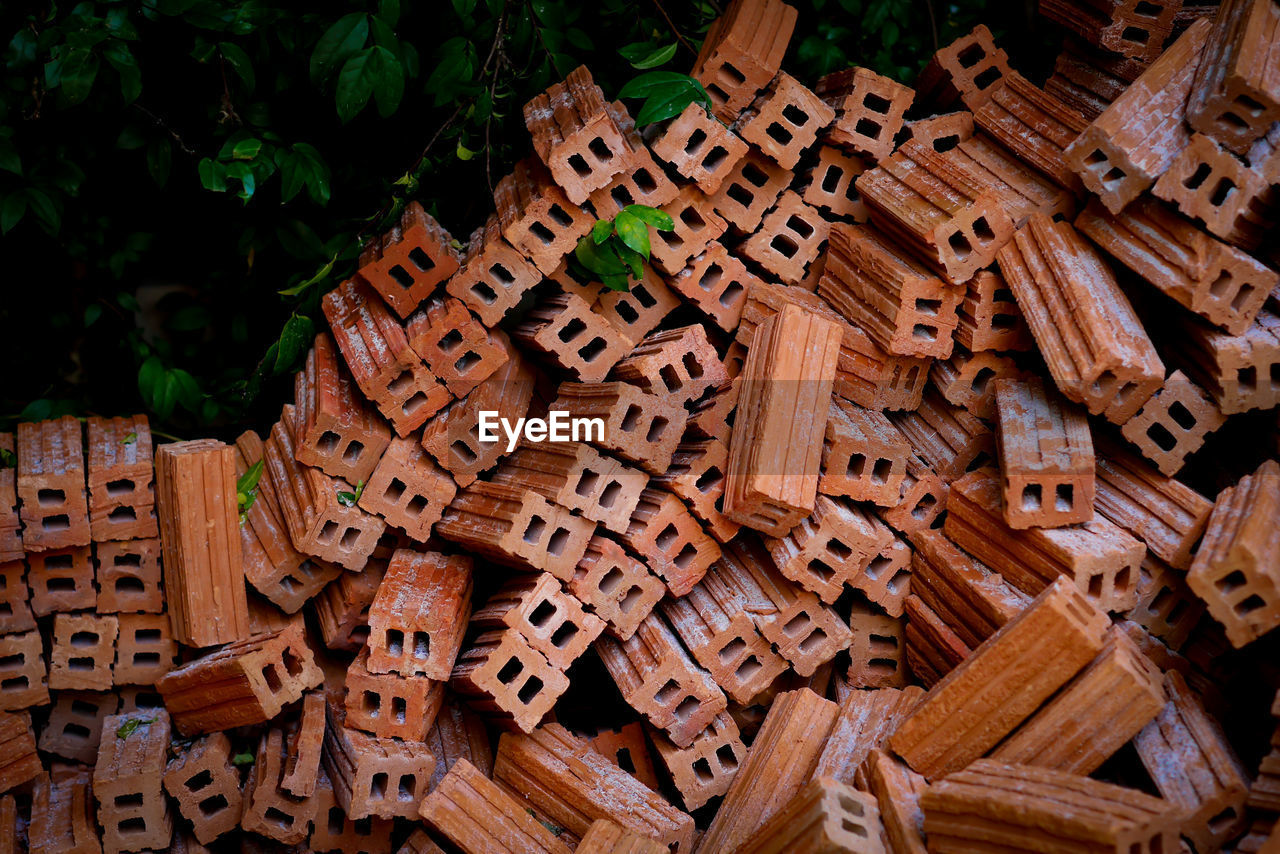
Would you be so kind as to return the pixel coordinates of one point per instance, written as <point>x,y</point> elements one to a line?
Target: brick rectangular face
<point>869,110</point>
<point>1097,351</point>
<point>493,276</point>
<point>405,264</point>
<point>338,431</point>
<point>503,677</point>
<point>1100,558</point>
<point>966,70</point>
<point>455,345</point>
<point>60,580</point>
<point>773,493</point>
<point>1003,682</point>
<point>742,52</point>
<point>418,617</point>
<point>121,475</point>
<point>377,352</point>
<point>576,136</point>
<point>51,485</point>
<point>784,120</point>
<point>200,534</point>
<point>1136,138</point>
<point>1234,569</point>
<point>1235,97</point>
<point>1046,456</point>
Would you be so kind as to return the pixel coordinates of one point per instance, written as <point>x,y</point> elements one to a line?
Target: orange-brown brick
<point>244,683</point>
<point>566,330</point>
<point>742,52</point>
<point>616,586</point>
<point>789,240</point>
<point>550,620</point>
<point>51,485</point>
<point>752,188</point>
<point>696,225</point>
<point>457,348</point>
<point>1173,423</point>
<point>875,283</point>
<point>453,436</point>
<point>677,364</point>
<point>338,431</point>
<point>672,542</point>
<point>206,786</point>
<point>145,649</point>
<point>516,527</point>
<point>320,523</point>
<point>494,275</point>
<point>502,677</point>
<point>23,671</point>
<point>378,354</point>
<point>640,427</point>
<point>699,147</point>
<point>418,617</point>
<point>121,492</point>
<point>1046,456</point>
<point>832,184</point>
<point>536,216</point>
<point>869,110</point>
<point>127,782</point>
<point>408,489</point>
<point>405,264</point>
<point>657,678</point>
<point>576,136</point>
<point>784,120</point>
<point>966,70</point>
<point>390,705</point>
<point>60,580</point>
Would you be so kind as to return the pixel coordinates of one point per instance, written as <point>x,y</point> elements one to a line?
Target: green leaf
<point>9,159</point>
<point>131,726</point>
<point>642,56</point>
<point>43,207</point>
<point>213,175</point>
<point>295,340</point>
<point>8,459</point>
<point>601,230</point>
<point>646,84</point>
<point>356,82</point>
<point>247,488</point>
<point>659,219</point>
<point>388,87</point>
<point>91,314</point>
<point>602,260</point>
<point>129,439</point>
<point>320,276</point>
<point>337,44</point>
<point>620,282</point>
<point>389,11</point>
<point>632,231</point>
<point>123,61</point>
<point>128,301</point>
<point>347,499</point>
<point>246,149</point>
<point>666,94</point>
<point>239,62</point>
<point>243,759</point>
<point>11,213</point>
<point>78,72</point>
<point>631,258</point>
<point>159,159</point>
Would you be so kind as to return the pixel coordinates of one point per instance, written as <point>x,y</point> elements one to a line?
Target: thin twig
<point>933,24</point>
<point>494,50</point>
<point>533,20</point>
<point>672,24</point>
<point>163,125</point>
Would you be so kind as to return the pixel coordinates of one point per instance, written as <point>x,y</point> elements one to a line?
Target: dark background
<point>140,273</point>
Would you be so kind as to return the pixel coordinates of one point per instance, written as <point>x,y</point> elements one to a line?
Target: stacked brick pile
<point>883,547</point>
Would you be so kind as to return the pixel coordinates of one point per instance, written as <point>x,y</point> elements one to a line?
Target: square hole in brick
<point>530,690</point>
<point>394,642</point>
<point>1032,497</point>
<point>561,637</point>
<point>1064,497</point>
<point>371,703</point>
<point>656,428</point>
